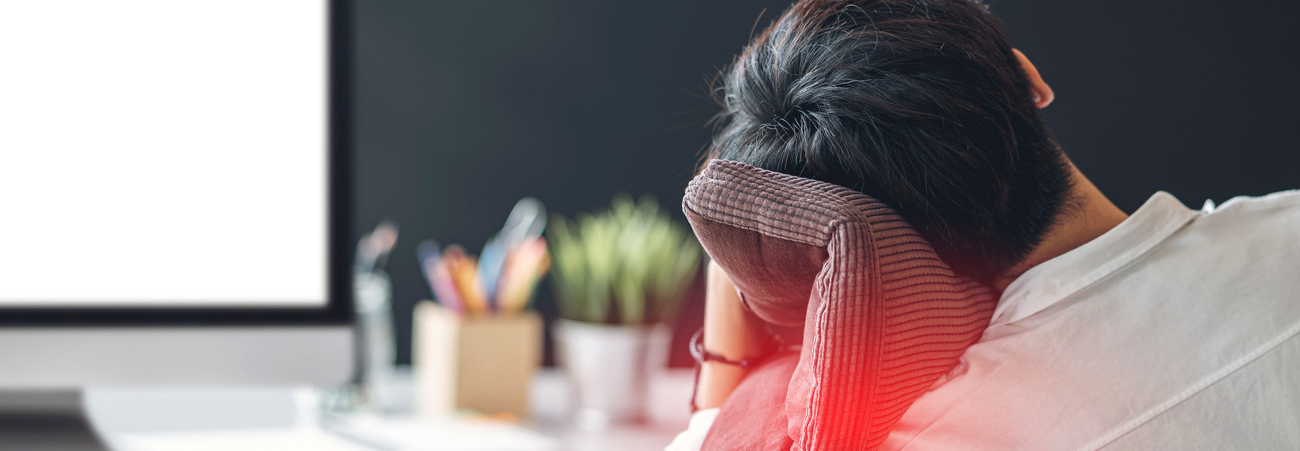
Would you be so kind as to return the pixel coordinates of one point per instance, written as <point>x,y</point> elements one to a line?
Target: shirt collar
<point>1055,279</point>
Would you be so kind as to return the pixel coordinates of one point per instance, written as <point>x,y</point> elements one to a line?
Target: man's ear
<point>1043,95</point>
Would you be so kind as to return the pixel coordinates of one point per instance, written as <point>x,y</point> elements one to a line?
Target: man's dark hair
<point>919,103</point>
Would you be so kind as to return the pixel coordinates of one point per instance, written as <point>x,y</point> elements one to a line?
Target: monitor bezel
<point>338,308</point>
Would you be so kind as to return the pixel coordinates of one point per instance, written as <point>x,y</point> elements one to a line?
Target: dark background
<point>463,107</point>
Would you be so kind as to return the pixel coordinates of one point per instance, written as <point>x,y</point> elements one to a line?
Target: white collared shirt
<point>1175,330</point>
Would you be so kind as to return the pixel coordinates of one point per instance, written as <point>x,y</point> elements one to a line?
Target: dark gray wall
<point>463,106</point>
<point>1197,98</point>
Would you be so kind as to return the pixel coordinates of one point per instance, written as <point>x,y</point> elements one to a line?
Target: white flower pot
<point>608,367</point>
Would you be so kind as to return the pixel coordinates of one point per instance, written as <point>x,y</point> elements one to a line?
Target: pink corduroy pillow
<point>883,317</point>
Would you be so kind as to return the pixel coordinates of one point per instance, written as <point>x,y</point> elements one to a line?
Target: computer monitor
<point>174,193</point>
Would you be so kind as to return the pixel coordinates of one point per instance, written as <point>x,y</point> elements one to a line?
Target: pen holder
<point>483,363</point>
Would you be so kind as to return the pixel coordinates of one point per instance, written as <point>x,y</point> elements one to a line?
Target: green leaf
<point>631,254</point>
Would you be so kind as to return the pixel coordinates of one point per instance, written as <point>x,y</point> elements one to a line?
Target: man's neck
<point>1088,215</point>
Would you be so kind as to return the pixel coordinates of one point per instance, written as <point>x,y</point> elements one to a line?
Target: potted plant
<point>618,275</point>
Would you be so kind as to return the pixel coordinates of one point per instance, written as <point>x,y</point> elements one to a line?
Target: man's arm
<point>730,330</point>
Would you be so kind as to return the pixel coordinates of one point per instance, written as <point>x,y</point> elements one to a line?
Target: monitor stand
<point>46,420</point>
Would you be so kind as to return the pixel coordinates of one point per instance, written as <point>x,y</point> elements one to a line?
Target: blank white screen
<point>163,153</point>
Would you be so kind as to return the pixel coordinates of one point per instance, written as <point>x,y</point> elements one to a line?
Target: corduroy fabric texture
<point>884,318</point>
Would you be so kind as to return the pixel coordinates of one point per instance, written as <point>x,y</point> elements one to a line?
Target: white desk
<point>250,419</point>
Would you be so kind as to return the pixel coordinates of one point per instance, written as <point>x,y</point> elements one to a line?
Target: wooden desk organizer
<point>483,363</point>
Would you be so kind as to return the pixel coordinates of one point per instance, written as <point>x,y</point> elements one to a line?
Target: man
<point>1168,329</point>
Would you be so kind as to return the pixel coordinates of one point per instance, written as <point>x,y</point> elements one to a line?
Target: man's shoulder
<point>1275,215</point>
<point>1281,201</point>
